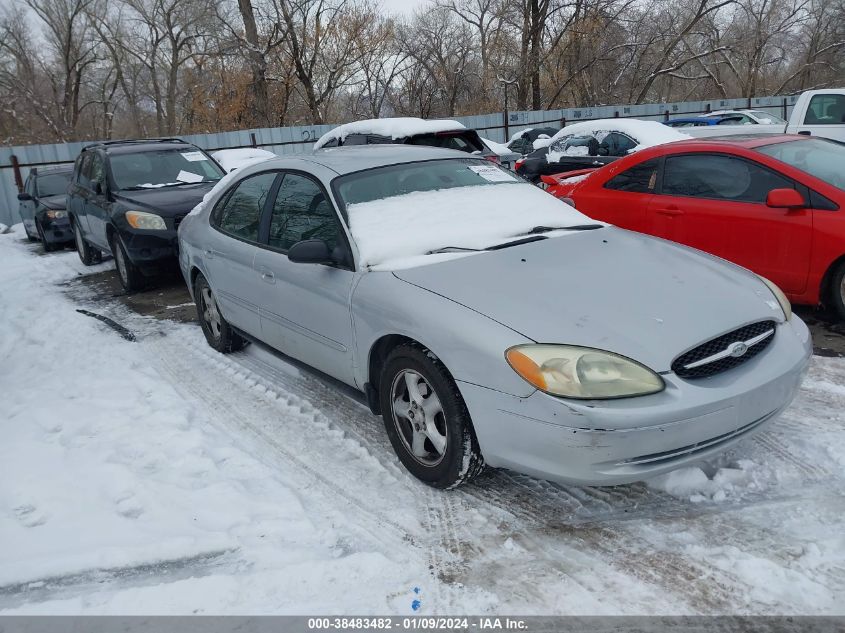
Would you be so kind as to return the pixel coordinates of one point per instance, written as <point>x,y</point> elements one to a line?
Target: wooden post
<point>16,169</point>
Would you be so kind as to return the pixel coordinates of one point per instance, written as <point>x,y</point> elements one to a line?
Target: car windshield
<point>399,180</point>
<point>53,184</point>
<point>420,213</point>
<point>818,157</point>
<point>163,168</point>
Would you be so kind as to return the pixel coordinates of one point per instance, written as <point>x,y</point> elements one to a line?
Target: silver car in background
<point>488,322</point>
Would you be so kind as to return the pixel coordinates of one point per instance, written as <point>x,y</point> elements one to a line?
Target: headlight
<point>782,300</point>
<point>581,372</point>
<point>53,215</point>
<point>144,220</point>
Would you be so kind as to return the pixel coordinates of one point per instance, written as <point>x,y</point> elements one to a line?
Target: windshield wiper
<point>452,249</point>
<point>524,240</point>
<point>573,227</point>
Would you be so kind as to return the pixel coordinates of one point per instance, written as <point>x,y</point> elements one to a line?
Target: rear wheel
<point>131,277</point>
<point>219,334</point>
<point>427,420</point>
<point>87,253</point>
<point>837,290</point>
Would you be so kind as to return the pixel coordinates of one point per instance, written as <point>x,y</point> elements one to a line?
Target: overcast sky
<point>401,7</point>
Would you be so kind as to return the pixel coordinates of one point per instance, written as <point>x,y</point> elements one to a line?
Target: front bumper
<point>56,231</point>
<point>621,441</point>
<point>151,250</point>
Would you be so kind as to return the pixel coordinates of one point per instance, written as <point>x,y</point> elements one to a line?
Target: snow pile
<point>498,148</point>
<point>113,480</point>
<point>4,229</point>
<point>693,483</point>
<point>395,128</point>
<point>232,159</point>
<point>397,232</point>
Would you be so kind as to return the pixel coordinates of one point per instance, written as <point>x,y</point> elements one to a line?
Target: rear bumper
<point>620,441</point>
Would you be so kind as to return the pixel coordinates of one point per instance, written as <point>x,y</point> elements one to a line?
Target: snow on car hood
<point>609,289</point>
<point>397,232</point>
<point>394,127</point>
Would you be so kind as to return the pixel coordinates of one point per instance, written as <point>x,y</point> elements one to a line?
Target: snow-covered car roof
<point>645,133</point>
<point>395,128</point>
<point>231,159</point>
<point>498,148</point>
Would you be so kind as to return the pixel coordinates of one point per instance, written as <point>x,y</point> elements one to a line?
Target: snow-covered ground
<point>158,476</point>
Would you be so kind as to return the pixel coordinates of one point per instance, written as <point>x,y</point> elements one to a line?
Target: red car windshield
<point>818,157</point>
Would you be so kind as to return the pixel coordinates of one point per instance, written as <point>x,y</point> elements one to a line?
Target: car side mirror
<point>311,252</point>
<point>785,199</point>
<point>24,196</point>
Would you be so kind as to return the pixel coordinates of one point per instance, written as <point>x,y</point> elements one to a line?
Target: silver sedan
<point>488,322</point>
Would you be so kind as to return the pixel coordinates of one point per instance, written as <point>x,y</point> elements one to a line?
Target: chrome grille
<point>725,352</point>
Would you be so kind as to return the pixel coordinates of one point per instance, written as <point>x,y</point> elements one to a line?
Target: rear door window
<point>640,178</point>
<point>826,110</point>
<point>239,214</point>
<point>720,177</point>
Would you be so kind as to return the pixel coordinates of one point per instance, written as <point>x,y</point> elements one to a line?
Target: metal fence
<point>16,161</point>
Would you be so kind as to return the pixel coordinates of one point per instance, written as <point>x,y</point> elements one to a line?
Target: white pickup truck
<point>816,113</point>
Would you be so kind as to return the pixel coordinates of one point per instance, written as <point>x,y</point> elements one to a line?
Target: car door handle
<point>805,133</point>
<point>267,275</point>
<point>670,211</point>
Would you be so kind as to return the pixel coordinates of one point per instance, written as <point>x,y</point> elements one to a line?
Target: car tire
<point>434,438</point>
<point>48,246</point>
<point>837,290</point>
<point>87,253</point>
<point>131,277</point>
<point>219,334</point>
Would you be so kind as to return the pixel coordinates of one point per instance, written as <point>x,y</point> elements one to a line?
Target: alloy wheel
<point>210,313</point>
<point>419,417</point>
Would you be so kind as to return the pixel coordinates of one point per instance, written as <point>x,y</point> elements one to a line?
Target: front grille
<point>720,344</point>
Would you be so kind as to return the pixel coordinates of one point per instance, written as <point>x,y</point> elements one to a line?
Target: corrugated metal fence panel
<point>296,139</point>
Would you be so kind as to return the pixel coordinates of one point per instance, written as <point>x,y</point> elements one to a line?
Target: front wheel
<point>837,290</point>
<point>88,254</point>
<point>219,334</point>
<point>427,420</point>
<point>131,277</point>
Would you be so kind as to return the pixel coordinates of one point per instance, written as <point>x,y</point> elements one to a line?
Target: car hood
<point>56,203</point>
<point>167,201</point>
<point>609,289</point>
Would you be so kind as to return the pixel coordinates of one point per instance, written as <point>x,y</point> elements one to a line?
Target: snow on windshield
<point>231,159</point>
<point>397,232</point>
<point>395,128</point>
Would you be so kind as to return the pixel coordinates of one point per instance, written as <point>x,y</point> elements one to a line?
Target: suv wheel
<point>426,419</point>
<point>87,253</point>
<point>131,277</point>
<point>219,334</point>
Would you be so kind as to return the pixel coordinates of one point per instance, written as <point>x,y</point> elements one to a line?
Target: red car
<point>771,203</point>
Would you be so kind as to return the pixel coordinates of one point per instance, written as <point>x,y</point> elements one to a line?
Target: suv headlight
<point>54,215</point>
<point>782,300</point>
<point>144,220</point>
<point>582,372</point>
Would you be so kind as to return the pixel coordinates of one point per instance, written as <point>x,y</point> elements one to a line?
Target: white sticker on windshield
<point>194,157</point>
<point>187,176</point>
<point>492,174</point>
